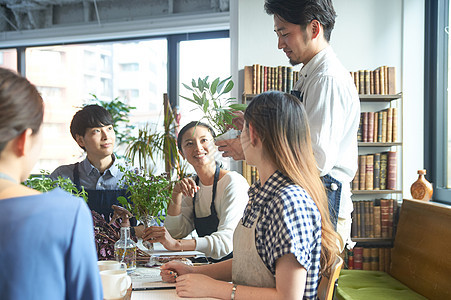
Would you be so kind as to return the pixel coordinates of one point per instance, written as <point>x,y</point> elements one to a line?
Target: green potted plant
<point>149,197</point>
<point>217,108</point>
<point>43,183</point>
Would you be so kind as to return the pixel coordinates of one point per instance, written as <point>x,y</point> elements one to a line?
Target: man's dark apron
<point>333,190</point>
<point>101,200</point>
<point>208,225</point>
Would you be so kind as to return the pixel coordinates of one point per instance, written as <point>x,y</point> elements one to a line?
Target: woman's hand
<point>195,285</point>
<point>159,234</point>
<point>171,270</point>
<point>187,186</point>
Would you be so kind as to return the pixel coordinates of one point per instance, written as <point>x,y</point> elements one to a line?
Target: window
<point>201,58</point>
<point>138,71</point>
<point>437,101</point>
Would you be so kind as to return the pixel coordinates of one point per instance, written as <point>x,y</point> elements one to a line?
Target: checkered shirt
<point>289,222</point>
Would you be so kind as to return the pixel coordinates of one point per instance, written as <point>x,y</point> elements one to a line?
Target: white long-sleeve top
<point>230,202</point>
<point>333,108</point>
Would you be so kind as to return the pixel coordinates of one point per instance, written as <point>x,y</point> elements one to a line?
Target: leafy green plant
<point>149,194</point>
<point>44,183</point>
<point>211,100</point>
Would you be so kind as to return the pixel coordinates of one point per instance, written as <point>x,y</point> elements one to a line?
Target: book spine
<point>354,231</point>
<point>248,79</point>
<point>389,124</point>
<point>371,82</point>
<point>391,170</point>
<point>377,221</point>
<point>384,126</point>
<point>359,218</point>
<point>383,172</point>
<point>371,219</point>
<point>385,203</point>
<point>375,127</point>
<point>390,218</point>
<point>254,78</point>
<point>387,259</point>
<point>350,259</point>
<point>367,82</point>
<point>376,171</point>
<point>362,218</point>
<point>280,78</point>
<point>367,218</point>
<point>369,172</point>
<point>391,79</point>
<point>379,126</point>
<point>265,78</point>
<point>366,259</point>
<point>377,89</point>
<point>365,127</point>
<point>395,125</point>
<point>362,172</point>
<point>361,82</point>
<point>382,80</point>
<point>289,79</point>
<point>374,259</point>
<point>358,258</point>
<point>370,130</point>
<point>382,259</point>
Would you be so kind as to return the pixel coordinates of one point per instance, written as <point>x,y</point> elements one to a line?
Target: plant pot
<point>228,135</point>
<point>148,221</point>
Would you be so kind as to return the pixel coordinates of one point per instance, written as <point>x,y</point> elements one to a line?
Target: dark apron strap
<point>215,182</point>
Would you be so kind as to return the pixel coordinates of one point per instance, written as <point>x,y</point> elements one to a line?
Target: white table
<point>146,277</point>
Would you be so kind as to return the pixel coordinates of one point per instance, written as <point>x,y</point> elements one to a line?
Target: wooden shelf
<point>373,240</point>
<point>366,144</point>
<point>379,98</point>
<point>372,192</point>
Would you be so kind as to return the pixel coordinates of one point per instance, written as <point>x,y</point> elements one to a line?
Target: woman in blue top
<point>47,248</point>
<point>285,239</point>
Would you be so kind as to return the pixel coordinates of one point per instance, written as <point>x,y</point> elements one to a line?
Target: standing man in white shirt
<point>329,95</point>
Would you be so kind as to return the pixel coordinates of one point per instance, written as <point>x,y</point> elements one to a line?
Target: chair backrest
<point>326,287</point>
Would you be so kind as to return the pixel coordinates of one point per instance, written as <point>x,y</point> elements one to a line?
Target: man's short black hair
<point>302,12</point>
<point>89,116</point>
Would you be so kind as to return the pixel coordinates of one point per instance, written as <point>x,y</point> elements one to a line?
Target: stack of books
<point>376,172</point>
<point>378,127</point>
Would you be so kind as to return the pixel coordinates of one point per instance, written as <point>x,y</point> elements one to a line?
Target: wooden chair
<point>327,286</point>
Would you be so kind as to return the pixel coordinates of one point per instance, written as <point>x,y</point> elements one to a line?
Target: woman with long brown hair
<point>285,239</point>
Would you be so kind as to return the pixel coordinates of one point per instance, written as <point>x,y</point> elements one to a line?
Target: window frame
<point>173,42</point>
<point>435,98</point>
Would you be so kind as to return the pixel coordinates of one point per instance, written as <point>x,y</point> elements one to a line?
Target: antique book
<point>376,171</point>
<point>358,258</point>
<point>366,259</point>
<point>374,259</point>
<point>377,221</point>
<point>362,171</point>
<point>395,125</point>
<point>391,81</point>
<point>391,170</point>
<point>385,211</point>
<point>369,172</point>
<point>383,172</point>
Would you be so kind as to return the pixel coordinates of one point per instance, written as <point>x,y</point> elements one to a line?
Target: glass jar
<point>148,221</point>
<point>125,249</point>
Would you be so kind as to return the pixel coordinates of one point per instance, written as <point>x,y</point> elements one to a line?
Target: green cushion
<point>368,285</point>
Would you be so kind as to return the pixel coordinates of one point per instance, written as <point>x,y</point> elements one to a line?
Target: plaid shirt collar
<point>260,195</point>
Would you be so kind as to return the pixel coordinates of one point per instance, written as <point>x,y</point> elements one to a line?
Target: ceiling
<point>20,15</point>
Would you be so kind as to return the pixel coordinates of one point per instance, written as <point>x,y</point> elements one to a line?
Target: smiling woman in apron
<point>285,238</point>
<point>99,174</point>
<point>212,202</point>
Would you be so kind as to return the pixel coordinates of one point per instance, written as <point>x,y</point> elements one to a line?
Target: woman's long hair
<point>281,123</point>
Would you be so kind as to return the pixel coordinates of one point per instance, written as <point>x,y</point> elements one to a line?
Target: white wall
<point>367,34</point>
